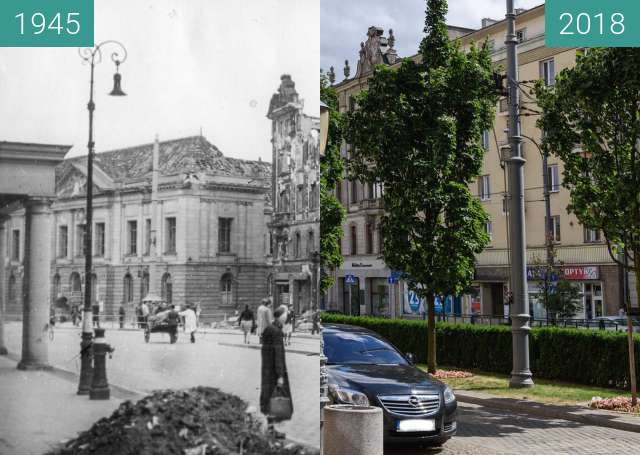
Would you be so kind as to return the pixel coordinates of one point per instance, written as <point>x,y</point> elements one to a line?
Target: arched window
<point>56,287</point>
<point>226,289</point>
<point>144,285</point>
<point>12,289</point>
<point>167,288</point>
<point>76,285</point>
<point>127,289</point>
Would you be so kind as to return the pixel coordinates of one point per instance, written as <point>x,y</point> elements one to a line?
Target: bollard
<point>99,384</point>
<point>352,430</point>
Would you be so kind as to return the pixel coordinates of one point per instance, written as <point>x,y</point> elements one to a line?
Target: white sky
<point>344,24</point>
<point>192,63</point>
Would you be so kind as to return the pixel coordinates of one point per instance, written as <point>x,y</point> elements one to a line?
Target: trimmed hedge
<point>591,357</point>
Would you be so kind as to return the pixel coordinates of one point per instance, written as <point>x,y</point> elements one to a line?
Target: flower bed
<point>620,404</point>
<point>451,374</point>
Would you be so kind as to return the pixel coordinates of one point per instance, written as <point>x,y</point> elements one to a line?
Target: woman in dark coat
<point>274,368</point>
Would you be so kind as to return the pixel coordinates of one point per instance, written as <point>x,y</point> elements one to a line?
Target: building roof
<point>192,154</point>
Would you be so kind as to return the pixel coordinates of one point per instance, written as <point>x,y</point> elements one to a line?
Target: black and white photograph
<point>159,233</point>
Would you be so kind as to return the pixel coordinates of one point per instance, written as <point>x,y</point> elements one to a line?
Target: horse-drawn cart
<point>158,319</point>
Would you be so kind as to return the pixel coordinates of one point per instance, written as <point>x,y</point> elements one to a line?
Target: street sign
<point>350,279</point>
<point>392,279</point>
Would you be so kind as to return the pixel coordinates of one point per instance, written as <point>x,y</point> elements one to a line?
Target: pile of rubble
<point>451,374</point>
<point>199,421</point>
<point>620,404</point>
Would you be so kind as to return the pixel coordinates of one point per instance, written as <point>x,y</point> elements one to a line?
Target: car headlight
<point>449,396</point>
<point>347,396</point>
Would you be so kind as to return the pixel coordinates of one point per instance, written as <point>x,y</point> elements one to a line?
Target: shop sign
<point>581,273</point>
<point>350,279</point>
<point>360,264</point>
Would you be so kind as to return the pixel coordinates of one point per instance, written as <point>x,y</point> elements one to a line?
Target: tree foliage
<point>591,117</point>
<point>332,213</point>
<point>417,130</point>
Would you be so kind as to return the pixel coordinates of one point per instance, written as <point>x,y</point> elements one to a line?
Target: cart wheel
<point>146,336</point>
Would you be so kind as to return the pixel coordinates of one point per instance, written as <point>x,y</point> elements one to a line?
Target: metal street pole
<point>92,56</point>
<point>521,374</point>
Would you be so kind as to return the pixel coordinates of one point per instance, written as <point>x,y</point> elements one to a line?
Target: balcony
<point>370,204</point>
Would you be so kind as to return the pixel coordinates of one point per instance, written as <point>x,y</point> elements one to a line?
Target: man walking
<point>265,317</point>
<point>190,325</point>
<point>172,322</point>
<point>121,313</point>
<point>246,322</point>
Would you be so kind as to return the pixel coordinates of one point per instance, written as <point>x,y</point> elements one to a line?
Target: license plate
<point>411,425</point>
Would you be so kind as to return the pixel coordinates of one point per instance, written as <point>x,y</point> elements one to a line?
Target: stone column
<point>3,288</point>
<point>36,288</point>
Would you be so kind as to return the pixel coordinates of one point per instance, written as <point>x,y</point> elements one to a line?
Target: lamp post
<point>93,56</point>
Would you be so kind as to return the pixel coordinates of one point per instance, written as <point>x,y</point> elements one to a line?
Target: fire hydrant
<point>99,384</point>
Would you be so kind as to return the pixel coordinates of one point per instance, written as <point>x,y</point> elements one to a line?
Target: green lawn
<point>545,391</point>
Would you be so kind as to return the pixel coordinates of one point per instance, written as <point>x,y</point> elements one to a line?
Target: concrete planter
<point>352,430</point>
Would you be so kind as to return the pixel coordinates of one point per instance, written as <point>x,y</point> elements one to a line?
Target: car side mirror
<point>409,357</point>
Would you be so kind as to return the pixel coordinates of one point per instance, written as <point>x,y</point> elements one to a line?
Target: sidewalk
<point>41,408</point>
<point>581,414</point>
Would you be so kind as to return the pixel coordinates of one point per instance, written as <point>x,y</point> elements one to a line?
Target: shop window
<point>226,289</point>
<point>379,296</point>
<point>593,300</point>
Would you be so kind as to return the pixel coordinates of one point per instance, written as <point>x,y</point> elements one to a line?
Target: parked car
<point>365,369</point>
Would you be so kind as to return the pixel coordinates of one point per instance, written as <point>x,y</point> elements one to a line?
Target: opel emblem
<point>414,401</point>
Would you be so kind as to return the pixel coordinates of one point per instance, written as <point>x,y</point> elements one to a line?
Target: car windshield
<point>347,348</point>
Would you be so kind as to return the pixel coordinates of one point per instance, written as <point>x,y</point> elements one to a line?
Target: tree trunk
<point>632,354</point>
<point>431,334</point>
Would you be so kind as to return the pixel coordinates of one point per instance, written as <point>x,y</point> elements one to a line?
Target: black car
<point>365,369</point>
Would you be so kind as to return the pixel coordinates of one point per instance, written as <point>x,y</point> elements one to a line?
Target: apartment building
<point>366,286</point>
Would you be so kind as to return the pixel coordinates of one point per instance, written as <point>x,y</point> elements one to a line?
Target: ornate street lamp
<point>93,56</point>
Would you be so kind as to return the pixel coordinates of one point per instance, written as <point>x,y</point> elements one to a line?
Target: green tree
<point>417,131</point>
<point>332,213</point>
<point>591,119</point>
<point>565,300</point>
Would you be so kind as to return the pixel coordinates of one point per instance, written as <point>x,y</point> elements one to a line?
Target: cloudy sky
<point>192,64</point>
<point>344,24</point>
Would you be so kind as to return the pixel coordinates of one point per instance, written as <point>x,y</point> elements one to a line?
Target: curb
<point>257,346</point>
<point>538,409</point>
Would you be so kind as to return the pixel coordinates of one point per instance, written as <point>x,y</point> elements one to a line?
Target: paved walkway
<point>40,409</point>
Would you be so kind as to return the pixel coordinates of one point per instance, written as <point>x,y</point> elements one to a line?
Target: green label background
<point>553,25</point>
<point>10,25</point>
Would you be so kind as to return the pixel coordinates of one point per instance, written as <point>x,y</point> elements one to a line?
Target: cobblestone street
<point>484,431</point>
<point>215,360</point>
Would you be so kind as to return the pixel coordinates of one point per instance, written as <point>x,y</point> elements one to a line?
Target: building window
<point>380,240</point>
<point>354,192</point>
<point>226,289</point>
<point>504,104</point>
<point>555,228</point>
<point>379,296</point>
<point>63,241</point>
<point>491,44</point>
<point>99,240</point>
<point>127,288</point>
<point>81,234</point>
<point>132,237</point>
<point>484,188</point>
<point>167,288</point>
<point>485,140</point>
<point>12,289</point>
<point>488,228</point>
<point>147,236</point>
<point>521,35</point>
<point>76,285</point>
<point>553,178</point>
<point>56,287</point>
<point>299,199</point>
<point>313,197</point>
<point>548,72</point>
<point>170,235</point>
<point>354,240</point>
<point>296,246</point>
<point>311,240</point>
<point>352,103</point>
<point>339,192</point>
<point>369,238</point>
<point>592,235</point>
<point>224,235</point>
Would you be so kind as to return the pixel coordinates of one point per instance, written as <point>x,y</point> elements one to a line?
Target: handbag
<point>280,406</point>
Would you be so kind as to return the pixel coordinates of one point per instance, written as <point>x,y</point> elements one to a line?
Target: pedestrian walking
<point>121,314</point>
<point>75,316</point>
<point>288,325</point>
<point>190,324</point>
<point>144,310</point>
<point>275,379</point>
<point>315,319</point>
<point>246,322</point>
<point>172,322</point>
<point>264,317</point>
<point>95,311</point>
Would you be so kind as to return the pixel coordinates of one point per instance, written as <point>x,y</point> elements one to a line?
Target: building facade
<point>364,285</point>
<point>207,244</point>
<point>295,236</point>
